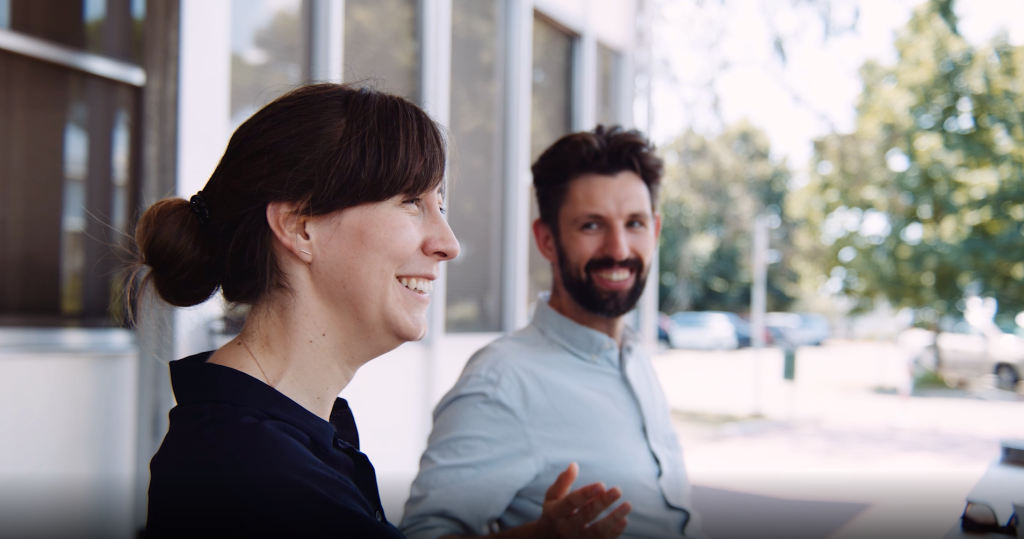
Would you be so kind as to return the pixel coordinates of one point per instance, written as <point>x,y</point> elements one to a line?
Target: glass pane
<point>268,53</point>
<point>382,45</point>
<point>108,27</point>
<point>67,189</point>
<point>607,86</point>
<point>5,13</point>
<point>475,193</point>
<point>551,117</point>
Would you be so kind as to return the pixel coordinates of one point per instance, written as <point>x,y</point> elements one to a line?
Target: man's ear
<point>657,225</point>
<point>289,227</point>
<point>545,239</point>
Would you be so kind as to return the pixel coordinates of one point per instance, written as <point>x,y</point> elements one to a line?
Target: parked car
<point>968,351</point>
<point>744,331</point>
<point>664,326</point>
<point>799,329</point>
<point>702,331</point>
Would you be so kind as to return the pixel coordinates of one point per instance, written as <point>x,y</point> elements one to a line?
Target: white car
<point>800,329</point>
<point>702,331</point>
<point>969,351</point>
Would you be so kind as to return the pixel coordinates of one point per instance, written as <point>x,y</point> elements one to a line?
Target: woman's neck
<point>292,350</point>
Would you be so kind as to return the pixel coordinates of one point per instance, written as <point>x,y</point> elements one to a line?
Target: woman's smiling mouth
<point>422,286</point>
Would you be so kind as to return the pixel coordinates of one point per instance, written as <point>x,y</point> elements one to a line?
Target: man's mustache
<point>599,264</point>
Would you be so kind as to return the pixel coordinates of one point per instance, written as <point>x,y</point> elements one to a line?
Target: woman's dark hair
<point>324,147</point>
<point>606,151</point>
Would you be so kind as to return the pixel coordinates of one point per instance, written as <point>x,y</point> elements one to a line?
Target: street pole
<point>758,301</point>
<point>758,294</point>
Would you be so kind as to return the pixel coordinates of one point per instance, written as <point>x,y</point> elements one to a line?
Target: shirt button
<point>379,516</point>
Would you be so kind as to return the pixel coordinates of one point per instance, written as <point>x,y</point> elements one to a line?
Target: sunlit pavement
<point>845,432</point>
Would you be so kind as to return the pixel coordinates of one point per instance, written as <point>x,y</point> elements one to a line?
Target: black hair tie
<point>198,204</point>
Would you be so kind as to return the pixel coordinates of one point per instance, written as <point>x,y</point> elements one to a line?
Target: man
<point>575,386</point>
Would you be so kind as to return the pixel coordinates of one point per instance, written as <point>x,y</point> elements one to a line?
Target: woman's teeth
<point>418,285</point>
<point>615,275</point>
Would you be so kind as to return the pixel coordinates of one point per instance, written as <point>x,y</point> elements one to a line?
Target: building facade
<point>109,105</point>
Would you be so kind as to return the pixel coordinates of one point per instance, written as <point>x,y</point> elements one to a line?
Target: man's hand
<point>570,514</point>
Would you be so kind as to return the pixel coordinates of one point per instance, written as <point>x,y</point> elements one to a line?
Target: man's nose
<point>616,244</point>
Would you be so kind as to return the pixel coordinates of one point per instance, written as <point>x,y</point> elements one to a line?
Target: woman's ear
<point>289,227</point>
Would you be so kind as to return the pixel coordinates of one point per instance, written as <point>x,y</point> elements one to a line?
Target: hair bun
<point>180,251</point>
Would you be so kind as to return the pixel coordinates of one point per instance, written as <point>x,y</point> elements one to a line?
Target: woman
<point>324,216</point>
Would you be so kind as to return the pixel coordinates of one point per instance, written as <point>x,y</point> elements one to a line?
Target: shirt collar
<point>585,343</point>
<point>196,381</point>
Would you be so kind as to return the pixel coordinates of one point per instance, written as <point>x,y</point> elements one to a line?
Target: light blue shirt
<point>529,404</point>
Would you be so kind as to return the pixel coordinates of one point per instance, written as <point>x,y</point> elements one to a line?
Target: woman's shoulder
<point>222,465</point>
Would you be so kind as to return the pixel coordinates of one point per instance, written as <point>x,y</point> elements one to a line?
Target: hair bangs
<point>386,147</point>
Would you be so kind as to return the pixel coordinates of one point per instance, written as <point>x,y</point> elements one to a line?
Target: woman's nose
<point>442,242</point>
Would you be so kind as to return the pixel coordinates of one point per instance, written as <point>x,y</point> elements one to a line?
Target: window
<point>475,193</point>
<point>551,117</point>
<point>68,167</point>
<point>382,45</point>
<point>269,53</point>
<point>608,65</point>
<point>109,27</point>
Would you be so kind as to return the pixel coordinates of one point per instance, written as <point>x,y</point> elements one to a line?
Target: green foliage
<point>925,199</point>
<point>713,189</point>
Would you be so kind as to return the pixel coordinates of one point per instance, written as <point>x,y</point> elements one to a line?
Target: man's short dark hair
<point>606,151</point>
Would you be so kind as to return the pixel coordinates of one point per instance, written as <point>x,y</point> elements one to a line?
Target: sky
<point>728,45</point>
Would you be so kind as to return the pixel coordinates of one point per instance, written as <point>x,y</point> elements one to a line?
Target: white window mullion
<point>436,32</point>
<point>435,84</point>
<point>585,82</point>
<point>519,78</point>
<point>204,123</point>
<point>327,40</point>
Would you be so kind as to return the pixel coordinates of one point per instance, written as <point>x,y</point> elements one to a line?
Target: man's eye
<point>635,224</point>
<point>589,226</point>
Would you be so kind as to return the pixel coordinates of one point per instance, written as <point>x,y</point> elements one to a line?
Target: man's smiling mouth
<point>614,275</point>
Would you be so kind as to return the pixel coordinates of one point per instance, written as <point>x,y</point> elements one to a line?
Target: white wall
<point>67,418</point>
<point>393,398</point>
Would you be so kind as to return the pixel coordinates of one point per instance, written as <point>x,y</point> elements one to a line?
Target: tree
<point>712,189</point>
<point>924,201</point>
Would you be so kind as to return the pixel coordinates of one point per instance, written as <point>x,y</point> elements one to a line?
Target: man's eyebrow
<point>590,217</point>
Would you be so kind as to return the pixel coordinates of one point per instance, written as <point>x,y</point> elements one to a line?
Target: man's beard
<point>600,302</point>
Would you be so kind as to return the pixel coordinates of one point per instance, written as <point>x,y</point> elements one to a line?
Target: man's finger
<point>612,525</point>
<point>560,487</point>
<point>596,505</point>
<point>577,499</point>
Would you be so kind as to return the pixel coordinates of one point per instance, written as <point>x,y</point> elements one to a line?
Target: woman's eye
<point>415,200</point>
<point>589,226</point>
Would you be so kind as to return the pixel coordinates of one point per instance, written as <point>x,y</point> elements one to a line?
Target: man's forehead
<point>624,192</point>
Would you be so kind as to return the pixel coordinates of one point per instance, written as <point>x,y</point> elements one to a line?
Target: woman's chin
<point>414,330</point>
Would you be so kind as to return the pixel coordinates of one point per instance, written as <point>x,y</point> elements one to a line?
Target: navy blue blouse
<point>240,458</point>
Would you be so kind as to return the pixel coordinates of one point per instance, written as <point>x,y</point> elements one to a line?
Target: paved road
<point>842,452</point>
